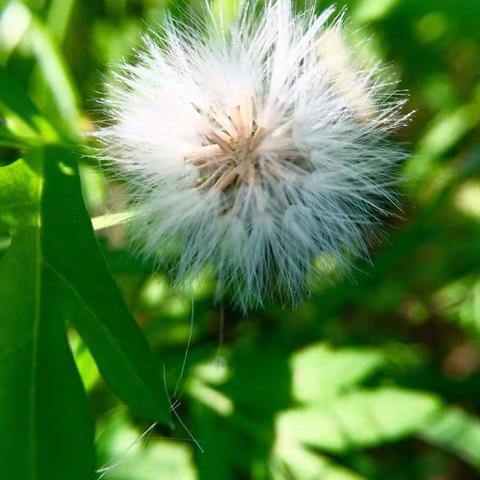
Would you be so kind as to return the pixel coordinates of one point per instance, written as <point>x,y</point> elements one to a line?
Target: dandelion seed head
<point>259,150</point>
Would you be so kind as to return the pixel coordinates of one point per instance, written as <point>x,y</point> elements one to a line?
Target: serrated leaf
<point>456,431</point>
<point>320,372</point>
<point>359,419</point>
<point>299,463</point>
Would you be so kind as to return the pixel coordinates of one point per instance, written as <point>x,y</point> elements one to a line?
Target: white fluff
<point>259,151</point>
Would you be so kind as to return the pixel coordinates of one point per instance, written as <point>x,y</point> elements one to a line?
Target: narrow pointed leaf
<point>101,317</point>
<point>54,260</point>
<point>47,433</point>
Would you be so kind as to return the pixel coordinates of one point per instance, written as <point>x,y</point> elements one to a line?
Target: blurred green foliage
<point>375,378</point>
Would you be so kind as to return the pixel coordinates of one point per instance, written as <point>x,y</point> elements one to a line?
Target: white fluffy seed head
<point>259,150</point>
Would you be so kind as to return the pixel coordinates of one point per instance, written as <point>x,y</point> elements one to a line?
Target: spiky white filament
<point>259,151</point>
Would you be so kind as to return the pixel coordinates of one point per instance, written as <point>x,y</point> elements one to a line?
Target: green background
<point>376,377</point>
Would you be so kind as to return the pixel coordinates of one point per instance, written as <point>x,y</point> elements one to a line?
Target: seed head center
<point>229,152</point>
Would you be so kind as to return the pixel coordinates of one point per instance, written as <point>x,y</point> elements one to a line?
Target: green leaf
<point>369,11</point>
<point>56,74</point>
<point>320,372</point>
<point>359,419</point>
<point>59,18</point>
<point>12,13</point>
<point>51,63</point>
<point>8,139</point>
<point>47,431</point>
<point>443,133</point>
<point>22,117</point>
<point>299,463</point>
<point>99,313</point>
<point>456,431</point>
<point>460,301</point>
<point>54,272</point>
<point>19,195</point>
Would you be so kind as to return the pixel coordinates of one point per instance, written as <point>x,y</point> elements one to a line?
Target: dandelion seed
<point>259,151</point>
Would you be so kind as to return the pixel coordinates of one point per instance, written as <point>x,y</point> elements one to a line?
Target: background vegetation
<point>375,378</point>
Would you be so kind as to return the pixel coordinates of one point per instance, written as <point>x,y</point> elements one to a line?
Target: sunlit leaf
<point>55,73</point>
<point>14,22</point>
<point>366,11</point>
<point>359,419</point>
<point>295,461</point>
<point>59,17</point>
<point>22,117</point>
<point>19,183</point>
<point>443,133</point>
<point>456,431</point>
<point>320,372</point>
